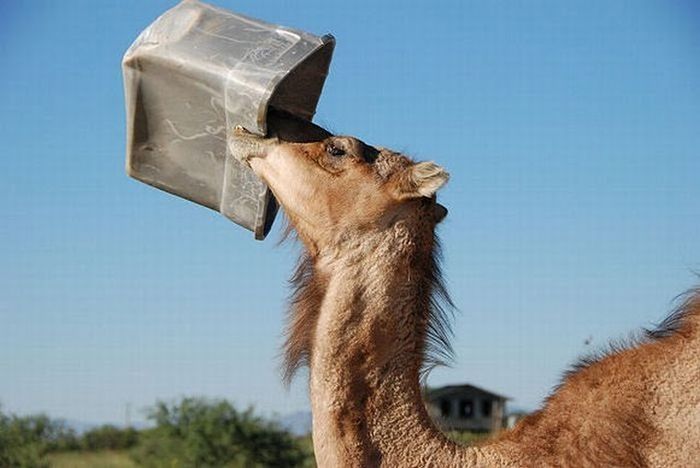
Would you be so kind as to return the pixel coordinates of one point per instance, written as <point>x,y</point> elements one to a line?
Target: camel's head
<point>340,185</point>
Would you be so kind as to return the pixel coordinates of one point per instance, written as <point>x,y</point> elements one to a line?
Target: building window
<point>466,408</point>
<point>445,408</point>
<point>486,406</point>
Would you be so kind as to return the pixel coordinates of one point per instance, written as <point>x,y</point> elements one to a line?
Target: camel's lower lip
<point>244,145</point>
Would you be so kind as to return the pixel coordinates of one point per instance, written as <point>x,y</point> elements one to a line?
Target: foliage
<point>211,433</point>
<point>109,437</point>
<point>24,441</point>
<point>307,446</point>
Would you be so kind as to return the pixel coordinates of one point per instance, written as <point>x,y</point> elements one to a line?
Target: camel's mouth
<point>245,145</point>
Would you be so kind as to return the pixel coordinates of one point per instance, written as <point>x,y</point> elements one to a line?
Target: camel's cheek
<point>291,178</point>
<point>275,169</point>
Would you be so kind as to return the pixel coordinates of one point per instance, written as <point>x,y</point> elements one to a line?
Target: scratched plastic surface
<point>190,78</point>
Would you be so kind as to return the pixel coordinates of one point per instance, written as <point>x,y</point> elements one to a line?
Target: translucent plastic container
<point>190,78</point>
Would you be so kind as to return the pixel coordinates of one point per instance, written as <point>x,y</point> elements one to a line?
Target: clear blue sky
<point>571,130</point>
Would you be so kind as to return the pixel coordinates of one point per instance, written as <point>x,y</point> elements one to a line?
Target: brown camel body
<point>364,320</point>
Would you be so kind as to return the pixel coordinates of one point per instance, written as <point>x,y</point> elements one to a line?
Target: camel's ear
<point>420,180</point>
<point>440,212</point>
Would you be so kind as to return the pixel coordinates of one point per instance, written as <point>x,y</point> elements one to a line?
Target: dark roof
<point>451,389</point>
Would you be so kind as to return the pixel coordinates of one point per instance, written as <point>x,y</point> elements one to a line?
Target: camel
<point>366,319</point>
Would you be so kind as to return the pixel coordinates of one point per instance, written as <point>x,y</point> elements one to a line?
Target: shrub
<point>203,433</point>
<point>24,441</point>
<point>109,437</point>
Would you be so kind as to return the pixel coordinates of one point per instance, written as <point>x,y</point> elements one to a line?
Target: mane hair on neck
<point>308,292</point>
<point>309,288</point>
<point>438,349</point>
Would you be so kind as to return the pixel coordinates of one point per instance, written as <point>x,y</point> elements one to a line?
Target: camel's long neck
<point>364,368</point>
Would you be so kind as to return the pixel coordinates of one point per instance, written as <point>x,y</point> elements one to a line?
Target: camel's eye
<point>335,151</point>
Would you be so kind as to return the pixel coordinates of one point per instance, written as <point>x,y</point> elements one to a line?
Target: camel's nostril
<point>335,150</point>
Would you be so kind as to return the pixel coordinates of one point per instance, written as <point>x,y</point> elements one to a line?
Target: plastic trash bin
<point>190,78</point>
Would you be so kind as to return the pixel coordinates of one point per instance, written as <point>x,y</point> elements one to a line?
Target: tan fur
<point>364,320</point>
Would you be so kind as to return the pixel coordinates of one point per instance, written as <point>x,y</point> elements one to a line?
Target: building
<point>466,408</point>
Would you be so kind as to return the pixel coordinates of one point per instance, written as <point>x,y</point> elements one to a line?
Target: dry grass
<point>101,459</point>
